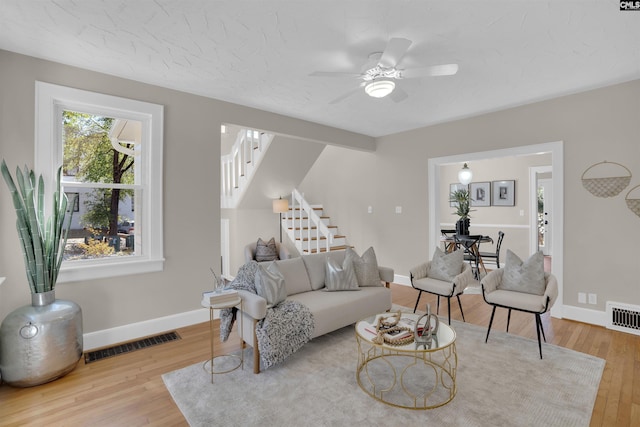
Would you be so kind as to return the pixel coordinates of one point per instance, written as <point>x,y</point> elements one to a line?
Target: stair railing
<point>299,203</point>
<point>237,167</point>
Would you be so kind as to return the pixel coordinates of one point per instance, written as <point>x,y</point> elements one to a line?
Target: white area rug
<point>500,383</point>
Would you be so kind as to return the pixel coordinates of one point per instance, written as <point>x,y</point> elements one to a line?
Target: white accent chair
<point>521,301</point>
<point>250,251</point>
<point>421,281</point>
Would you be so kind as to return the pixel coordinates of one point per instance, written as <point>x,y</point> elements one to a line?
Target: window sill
<point>109,269</point>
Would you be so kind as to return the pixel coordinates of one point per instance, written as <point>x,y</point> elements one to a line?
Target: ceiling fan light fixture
<point>379,88</point>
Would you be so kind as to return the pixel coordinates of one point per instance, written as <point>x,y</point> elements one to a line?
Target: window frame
<point>51,100</point>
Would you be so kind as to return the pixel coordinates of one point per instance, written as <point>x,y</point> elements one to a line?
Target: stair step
<point>333,248</point>
<point>337,236</point>
<point>312,228</point>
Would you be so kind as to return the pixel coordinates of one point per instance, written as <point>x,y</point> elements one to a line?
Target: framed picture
<point>455,187</point>
<point>480,194</point>
<point>503,193</point>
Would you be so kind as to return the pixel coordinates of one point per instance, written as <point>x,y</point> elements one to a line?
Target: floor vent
<point>104,353</point>
<point>623,317</point>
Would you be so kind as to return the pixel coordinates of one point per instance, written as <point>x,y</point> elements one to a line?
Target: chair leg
<point>438,307</point>
<point>508,319</point>
<point>417,301</point>
<point>538,327</point>
<point>493,312</point>
<point>460,305</point>
<point>542,328</point>
<point>449,308</point>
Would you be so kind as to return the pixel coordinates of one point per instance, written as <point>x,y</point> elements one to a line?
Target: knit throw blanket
<point>284,330</point>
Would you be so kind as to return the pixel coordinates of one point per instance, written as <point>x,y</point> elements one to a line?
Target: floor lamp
<point>280,206</point>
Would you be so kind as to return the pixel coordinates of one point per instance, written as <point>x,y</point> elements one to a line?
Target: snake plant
<point>42,238</point>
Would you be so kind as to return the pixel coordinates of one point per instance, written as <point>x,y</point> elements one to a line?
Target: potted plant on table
<point>462,198</point>
<point>43,341</point>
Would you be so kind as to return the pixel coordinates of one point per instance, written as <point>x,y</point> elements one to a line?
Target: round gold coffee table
<point>406,376</point>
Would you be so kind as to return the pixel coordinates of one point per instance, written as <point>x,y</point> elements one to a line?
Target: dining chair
<point>496,255</point>
<point>471,245</point>
<point>449,246</point>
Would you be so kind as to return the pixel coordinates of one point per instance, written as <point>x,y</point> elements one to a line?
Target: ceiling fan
<point>380,73</point>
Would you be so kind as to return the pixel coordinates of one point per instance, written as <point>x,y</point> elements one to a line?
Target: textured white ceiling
<point>260,53</point>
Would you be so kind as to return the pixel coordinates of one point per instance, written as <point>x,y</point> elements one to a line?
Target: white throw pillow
<point>527,276</point>
<point>270,284</point>
<point>340,278</point>
<point>446,266</point>
<point>365,266</point>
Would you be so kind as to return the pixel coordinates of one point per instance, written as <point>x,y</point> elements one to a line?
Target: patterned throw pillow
<point>446,266</point>
<point>527,276</point>
<point>266,251</point>
<point>270,284</point>
<point>365,266</point>
<point>340,278</point>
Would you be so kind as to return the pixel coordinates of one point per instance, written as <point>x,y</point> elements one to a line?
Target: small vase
<point>40,342</point>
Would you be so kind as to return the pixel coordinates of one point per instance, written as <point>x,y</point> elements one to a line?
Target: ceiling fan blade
<point>398,95</point>
<point>433,71</point>
<point>345,96</point>
<point>395,50</point>
<point>334,74</point>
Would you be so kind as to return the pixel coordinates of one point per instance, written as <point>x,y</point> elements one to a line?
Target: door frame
<point>557,170</point>
<point>533,207</point>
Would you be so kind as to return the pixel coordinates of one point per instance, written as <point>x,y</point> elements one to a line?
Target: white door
<point>545,190</point>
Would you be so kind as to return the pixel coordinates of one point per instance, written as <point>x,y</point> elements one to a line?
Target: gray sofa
<point>304,279</point>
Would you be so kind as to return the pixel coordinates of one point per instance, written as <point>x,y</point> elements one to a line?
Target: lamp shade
<point>280,205</point>
<point>465,175</point>
<point>379,88</point>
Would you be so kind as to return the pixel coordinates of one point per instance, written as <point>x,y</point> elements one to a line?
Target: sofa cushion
<point>527,276</point>
<point>340,277</point>
<point>270,284</point>
<point>315,264</point>
<point>266,251</point>
<point>446,266</point>
<point>296,279</point>
<point>366,267</point>
<point>334,310</point>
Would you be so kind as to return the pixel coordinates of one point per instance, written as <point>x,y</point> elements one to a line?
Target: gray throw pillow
<point>365,266</point>
<point>340,278</point>
<point>446,266</point>
<point>527,276</point>
<point>266,251</point>
<point>270,284</point>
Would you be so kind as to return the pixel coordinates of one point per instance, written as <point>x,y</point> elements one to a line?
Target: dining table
<point>471,244</point>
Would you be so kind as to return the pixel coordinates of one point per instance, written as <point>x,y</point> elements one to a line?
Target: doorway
<point>557,215</point>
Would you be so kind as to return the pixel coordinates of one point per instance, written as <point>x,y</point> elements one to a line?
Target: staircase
<point>309,228</point>
<point>239,166</point>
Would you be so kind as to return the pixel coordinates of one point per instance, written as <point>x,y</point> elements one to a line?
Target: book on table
<point>219,297</point>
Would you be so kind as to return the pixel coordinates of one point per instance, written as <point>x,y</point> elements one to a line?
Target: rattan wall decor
<point>633,203</point>
<point>606,186</point>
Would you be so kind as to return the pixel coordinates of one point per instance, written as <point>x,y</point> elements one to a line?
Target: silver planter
<point>40,342</point>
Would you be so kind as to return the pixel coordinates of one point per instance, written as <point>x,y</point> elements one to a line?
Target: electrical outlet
<point>370,209</point>
<point>582,297</point>
<point>593,299</point>
<point>398,209</point>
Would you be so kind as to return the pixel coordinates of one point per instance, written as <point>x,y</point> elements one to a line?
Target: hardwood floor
<point>127,390</point>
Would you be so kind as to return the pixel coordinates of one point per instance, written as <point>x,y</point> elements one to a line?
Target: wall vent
<point>116,350</point>
<point>623,317</point>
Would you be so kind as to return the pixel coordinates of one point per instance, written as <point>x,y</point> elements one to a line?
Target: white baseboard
<point>585,315</point>
<point>133,331</point>
<point>402,280</point>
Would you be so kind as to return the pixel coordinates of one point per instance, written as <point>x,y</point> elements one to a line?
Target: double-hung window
<point>110,150</point>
